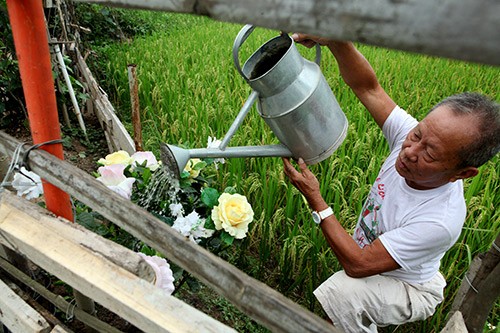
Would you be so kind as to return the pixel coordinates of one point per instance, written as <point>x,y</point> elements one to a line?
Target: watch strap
<point>325,213</point>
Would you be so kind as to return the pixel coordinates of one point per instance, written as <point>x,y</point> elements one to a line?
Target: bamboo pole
<point>457,29</point>
<point>71,92</point>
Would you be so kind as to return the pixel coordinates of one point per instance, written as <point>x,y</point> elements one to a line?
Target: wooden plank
<point>480,288</point>
<point>459,29</point>
<point>136,300</point>
<point>3,254</point>
<point>465,290</point>
<point>57,300</point>
<point>106,248</point>
<point>26,296</point>
<point>18,316</point>
<point>253,297</point>
<point>116,133</point>
<point>59,329</point>
<point>455,324</point>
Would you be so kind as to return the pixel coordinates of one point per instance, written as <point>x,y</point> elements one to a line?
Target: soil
<point>76,151</point>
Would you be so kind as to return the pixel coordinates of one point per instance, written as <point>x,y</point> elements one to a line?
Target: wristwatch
<point>320,216</point>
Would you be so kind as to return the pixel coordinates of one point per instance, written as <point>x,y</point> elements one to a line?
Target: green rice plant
<point>189,90</point>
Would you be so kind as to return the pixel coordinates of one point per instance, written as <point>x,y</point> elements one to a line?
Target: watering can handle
<point>242,37</point>
<point>317,60</point>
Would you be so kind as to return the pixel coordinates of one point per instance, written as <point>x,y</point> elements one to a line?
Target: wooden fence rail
<point>253,297</point>
<point>87,262</point>
<point>116,135</point>
<point>480,288</point>
<point>458,29</point>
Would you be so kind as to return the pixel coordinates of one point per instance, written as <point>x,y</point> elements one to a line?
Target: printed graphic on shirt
<point>369,223</point>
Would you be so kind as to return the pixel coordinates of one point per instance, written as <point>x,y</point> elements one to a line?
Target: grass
<point>189,90</point>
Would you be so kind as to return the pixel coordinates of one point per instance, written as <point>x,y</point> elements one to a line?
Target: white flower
<point>192,226</point>
<point>164,276</point>
<point>139,157</point>
<point>27,183</point>
<point>176,210</point>
<point>112,176</point>
<point>199,231</point>
<point>215,143</point>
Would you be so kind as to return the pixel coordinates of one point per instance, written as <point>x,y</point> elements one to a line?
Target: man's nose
<point>411,152</point>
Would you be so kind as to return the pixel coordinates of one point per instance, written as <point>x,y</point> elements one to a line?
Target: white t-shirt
<point>416,226</point>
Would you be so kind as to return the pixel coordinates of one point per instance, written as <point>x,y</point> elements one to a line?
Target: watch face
<point>316,218</point>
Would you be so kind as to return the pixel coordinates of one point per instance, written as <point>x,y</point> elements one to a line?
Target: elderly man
<point>415,210</point>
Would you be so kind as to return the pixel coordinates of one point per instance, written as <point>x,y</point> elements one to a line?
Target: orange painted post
<point>32,49</point>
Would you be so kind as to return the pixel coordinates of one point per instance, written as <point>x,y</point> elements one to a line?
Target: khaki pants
<point>360,305</point>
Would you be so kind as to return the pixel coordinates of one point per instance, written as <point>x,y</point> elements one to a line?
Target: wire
<point>495,246</point>
<point>38,145</point>
<point>470,284</point>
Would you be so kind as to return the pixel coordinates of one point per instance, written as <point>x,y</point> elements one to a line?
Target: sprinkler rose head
<point>174,159</point>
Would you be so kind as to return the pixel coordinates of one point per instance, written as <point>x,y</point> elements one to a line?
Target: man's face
<point>429,154</point>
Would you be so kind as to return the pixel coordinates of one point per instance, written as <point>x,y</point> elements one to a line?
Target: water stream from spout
<point>161,191</point>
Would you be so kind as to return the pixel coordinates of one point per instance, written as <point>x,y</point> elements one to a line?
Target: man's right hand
<point>310,40</point>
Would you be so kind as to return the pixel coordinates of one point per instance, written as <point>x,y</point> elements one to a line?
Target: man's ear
<point>464,173</point>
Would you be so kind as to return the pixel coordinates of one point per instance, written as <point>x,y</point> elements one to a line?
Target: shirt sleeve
<point>397,126</point>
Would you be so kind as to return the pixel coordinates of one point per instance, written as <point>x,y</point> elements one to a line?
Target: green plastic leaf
<point>230,190</point>
<point>148,250</point>
<point>209,223</point>
<point>200,165</point>
<point>226,238</point>
<point>87,220</point>
<point>193,284</point>
<point>210,197</point>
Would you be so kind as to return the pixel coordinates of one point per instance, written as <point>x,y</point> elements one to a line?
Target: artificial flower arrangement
<point>190,206</point>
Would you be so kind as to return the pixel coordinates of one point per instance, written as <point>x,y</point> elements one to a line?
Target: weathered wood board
<point>134,299</point>
<point>459,29</point>
<point>17,315</point>
<point>116,134</point>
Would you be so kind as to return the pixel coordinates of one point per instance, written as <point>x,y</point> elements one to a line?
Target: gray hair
<point>487,143</point>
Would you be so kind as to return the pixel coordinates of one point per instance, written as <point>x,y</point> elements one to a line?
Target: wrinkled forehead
<point>449,126</point>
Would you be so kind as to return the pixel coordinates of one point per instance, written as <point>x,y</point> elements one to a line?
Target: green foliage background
<point>189,90</point>
<point>11,95</point>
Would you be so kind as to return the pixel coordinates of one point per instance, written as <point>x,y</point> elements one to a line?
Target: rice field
<point>189,90</point>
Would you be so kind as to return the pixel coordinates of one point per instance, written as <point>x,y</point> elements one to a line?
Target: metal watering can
<point>293,98</point>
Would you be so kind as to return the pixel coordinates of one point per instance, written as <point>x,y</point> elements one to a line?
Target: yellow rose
<point>119,157</point>
<point>233,214</point>
<point>193,172</point>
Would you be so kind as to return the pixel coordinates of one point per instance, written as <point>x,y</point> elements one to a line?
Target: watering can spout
<point>175,158</point>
